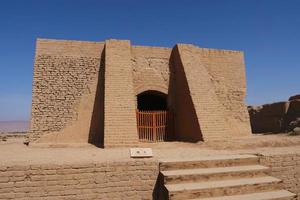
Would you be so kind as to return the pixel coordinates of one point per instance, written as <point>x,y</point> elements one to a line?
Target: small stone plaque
<point>141,152</point>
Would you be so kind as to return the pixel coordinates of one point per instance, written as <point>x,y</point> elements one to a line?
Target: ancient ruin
<point>278,117</point>
<point>113,93</point>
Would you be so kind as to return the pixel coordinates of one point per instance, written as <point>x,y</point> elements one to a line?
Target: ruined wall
<point>108,180</point>
<point>269,117</point>
<point>275,117</point>
<point>64,84</point>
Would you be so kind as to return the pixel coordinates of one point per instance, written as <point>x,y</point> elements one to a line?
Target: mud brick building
<point>113,93</point>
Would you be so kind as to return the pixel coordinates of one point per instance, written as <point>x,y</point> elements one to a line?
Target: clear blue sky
<point>268,31</point>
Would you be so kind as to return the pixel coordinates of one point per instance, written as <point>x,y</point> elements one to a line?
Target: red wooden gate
<point>152,125</point>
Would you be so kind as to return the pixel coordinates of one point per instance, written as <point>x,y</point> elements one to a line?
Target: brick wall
<point>209,111</point>
<point>74,81</point>
<point>285,167</point>
<point>132,179</point>
<point>111,180</point>
<point>186,123</point>
<point>227,72</point>
<point>215,80</point>
<point>151,70</point>
<point>65,74</point>
<point>120,125</point>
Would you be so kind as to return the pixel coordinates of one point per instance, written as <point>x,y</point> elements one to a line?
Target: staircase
<point>225,177</point>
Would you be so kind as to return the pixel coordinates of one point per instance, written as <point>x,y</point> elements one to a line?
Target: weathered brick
<point>71,78</point>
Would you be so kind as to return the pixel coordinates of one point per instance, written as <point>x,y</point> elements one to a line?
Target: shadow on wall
<point>186,125</point>
<point>96,135</point>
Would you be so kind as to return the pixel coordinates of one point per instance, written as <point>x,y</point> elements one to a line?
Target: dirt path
<point>13,152</point>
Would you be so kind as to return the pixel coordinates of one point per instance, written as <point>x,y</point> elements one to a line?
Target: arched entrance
<point>153,116</point>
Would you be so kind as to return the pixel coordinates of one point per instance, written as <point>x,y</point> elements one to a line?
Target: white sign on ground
<point>141,152</point>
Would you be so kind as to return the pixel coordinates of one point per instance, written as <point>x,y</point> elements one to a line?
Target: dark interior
<point>152,100</point>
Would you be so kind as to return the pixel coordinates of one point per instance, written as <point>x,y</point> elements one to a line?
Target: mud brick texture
<point>112,180</point>
<point>86,92</point>
<point>285,167</point>
<point>132,179</point>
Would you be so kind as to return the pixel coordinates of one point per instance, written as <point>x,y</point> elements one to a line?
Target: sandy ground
<point>13,152</point>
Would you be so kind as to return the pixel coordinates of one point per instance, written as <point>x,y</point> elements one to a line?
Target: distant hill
<point>14,126</point>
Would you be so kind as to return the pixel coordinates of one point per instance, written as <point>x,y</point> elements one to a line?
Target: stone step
<point>212,174</point>
<point>211,161</point>
<point>269,195</point>
<point>221,188</point>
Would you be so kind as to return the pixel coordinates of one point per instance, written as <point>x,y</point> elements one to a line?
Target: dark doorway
<point>152,100</point>
<point>153,117</point>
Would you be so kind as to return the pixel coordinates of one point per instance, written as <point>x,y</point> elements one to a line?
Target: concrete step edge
<point>269,195</point>
<point>215,170</point>
<point>177,187</point>
<point>209,158</point>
